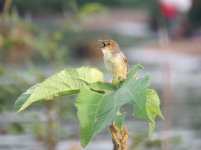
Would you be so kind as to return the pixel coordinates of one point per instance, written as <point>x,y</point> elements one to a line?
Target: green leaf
<point>153,108</point>
<point>135,89</point>
<point>96,110</point>
<point>119,120</point>
<point>102,86</point>
<point>92,119</point>
<point>24,96</point>
<point>63,83</point>
<point>133,71</point>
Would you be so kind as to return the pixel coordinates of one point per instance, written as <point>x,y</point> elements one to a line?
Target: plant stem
<point>119,137</point>
<point>6,7</point>
<point>50,129</point>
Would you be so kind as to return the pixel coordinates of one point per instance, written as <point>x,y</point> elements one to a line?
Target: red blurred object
<point>168,10</point>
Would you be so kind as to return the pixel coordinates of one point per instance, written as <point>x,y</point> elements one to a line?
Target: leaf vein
<point>134,100</point>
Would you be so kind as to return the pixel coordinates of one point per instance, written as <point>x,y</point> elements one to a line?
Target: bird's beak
<point>101,44</point>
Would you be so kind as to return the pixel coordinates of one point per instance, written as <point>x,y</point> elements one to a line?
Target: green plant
<point>22,40</point>
<point>98,102</point>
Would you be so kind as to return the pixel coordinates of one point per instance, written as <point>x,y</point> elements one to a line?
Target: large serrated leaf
<point>63,83</point>
<point>96,110</point>
<point>136,89</point>
<point>153,108</point>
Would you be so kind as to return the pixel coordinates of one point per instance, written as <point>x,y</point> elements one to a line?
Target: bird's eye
<point>104,44</point>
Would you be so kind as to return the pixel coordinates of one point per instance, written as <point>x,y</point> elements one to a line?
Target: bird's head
<point>108,45</point>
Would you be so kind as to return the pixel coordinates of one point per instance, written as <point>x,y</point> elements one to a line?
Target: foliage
<point>8,93</point>
<point>74,5</point>
<point>16,127</point>
<point>91,8</point>
<point>194,15</point>
<point>96,110</point>
<point>98,102</point>
<point>60,5</point>
<point>152,107</point>
<point>22,38</point>
<point>141,141</point>
<point>63,83</point>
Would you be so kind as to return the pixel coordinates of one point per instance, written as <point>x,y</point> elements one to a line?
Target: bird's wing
<point>117,53</point>
<point>125,60</point>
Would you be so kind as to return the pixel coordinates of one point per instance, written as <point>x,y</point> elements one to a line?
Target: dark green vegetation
<point>74,6</point>
<point>194,14</point>
<point>60,5</point>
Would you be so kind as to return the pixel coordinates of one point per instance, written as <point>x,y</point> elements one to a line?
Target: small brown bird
<point>114,59</point>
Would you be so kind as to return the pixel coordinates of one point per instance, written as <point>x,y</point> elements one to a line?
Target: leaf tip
<point>83,143</point>
<point>161,116</point>
<point>139,66</point>
<point>148,78</point>
<point>17,106</point>
<point>23,107</point>
<point>20,110</point>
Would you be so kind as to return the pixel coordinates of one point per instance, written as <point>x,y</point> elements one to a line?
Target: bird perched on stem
<point>116,62</point>
<point>114,59</point>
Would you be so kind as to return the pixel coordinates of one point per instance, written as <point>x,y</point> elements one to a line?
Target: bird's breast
<point>107,57</point>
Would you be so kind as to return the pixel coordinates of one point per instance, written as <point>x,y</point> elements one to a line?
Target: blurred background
<point>41,37</point>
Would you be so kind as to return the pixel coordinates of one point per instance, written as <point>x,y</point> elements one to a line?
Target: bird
<point>114,59</point>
